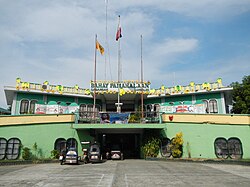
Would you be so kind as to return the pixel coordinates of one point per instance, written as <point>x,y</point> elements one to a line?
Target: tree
<point>241,96</point>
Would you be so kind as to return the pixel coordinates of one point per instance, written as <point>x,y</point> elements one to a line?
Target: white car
<point>116,153</point>
<point>71,157</point>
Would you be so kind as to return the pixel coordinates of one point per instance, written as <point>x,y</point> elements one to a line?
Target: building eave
<point>219,90</point>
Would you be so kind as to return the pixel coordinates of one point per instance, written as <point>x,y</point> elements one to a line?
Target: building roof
<point>4,111</point>
<point>108,90</point>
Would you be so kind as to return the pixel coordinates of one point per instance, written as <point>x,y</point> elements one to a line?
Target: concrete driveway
<point>126,173</point>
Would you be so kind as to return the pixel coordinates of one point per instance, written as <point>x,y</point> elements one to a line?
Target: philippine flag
<point>118,33</point>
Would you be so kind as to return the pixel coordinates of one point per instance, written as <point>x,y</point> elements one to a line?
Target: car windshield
<point>115,147</point>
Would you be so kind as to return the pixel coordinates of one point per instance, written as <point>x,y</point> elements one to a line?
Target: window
<point>71,143</point>
<point>228,148</point>
<point>156,110</point>
<point>13,147</point>
<point>60,144</point>
<point>221,148</point>
<point>206,106</point>
<point>213,108</point>
<point>165,147</point>
<point>235,148</point>
<point>24,106</point>
<point>32,106</point>
<point>3,145</point>
<point>149,110</point>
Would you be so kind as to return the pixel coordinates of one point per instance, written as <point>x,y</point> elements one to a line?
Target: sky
<point>182,41</point>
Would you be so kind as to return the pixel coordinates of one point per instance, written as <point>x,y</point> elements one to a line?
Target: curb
<point>26,162</point>
<point>205,161</point>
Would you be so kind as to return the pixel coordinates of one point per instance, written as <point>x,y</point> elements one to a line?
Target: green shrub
<point>26,153</point>
<point>135,118</point>
<point>35,148</point>
<point>151,147</point>
<point>54,154</point>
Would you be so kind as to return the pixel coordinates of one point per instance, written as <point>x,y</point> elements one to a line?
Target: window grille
<point>235,148</point>
<point>24,107</point>
<point>83,111</point>
<point>213,107</point>
<point>3,146</point>
<point>32,106</point>
<point>221,148</point>
<point>13,148</point>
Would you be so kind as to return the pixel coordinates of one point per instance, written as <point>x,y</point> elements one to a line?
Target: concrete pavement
<point>126,173</point>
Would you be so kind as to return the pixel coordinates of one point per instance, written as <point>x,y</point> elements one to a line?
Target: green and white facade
<point>46,115</point>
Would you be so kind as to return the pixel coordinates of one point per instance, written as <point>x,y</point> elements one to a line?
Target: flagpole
<point>119,69</point>
<point>95,79</point>
<point>106,16</point>
<point>141,84</point>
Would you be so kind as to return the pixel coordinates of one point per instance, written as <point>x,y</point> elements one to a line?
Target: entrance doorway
<point>128,143</point>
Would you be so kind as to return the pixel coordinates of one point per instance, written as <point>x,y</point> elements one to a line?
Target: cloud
<point>173,46</point>
<point>209,9</point>
<point>54,40</point>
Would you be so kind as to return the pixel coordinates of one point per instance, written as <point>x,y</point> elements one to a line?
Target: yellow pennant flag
<point>99,47</point>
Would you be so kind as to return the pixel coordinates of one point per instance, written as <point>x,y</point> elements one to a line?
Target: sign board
<point>52,109</point>
<point>196,108</point>
<point>40,109</point>
<point>114,117</point>
<point>125,85</point>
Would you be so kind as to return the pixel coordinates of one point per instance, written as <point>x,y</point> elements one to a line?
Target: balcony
<point>117,118</point>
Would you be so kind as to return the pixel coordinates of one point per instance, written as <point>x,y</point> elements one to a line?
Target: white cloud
<point>54,40</point>
<point>172,46</point>
<point>211,9</point>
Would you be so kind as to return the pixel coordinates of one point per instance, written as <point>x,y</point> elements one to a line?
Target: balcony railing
<point>114,117</point>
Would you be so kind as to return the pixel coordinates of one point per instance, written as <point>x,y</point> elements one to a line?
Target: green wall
<point>201,137</point>
<point>208,96</point>
<point>152,101</point>
<point>44,135</point>
<point>85,101</point>
<point>60,98</point>
<point>29,96</point>
<point>179,98</point>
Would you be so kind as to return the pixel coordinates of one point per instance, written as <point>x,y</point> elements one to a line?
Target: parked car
<point>71,156</point>
<point>95,153</point>
<point>116,153</point>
